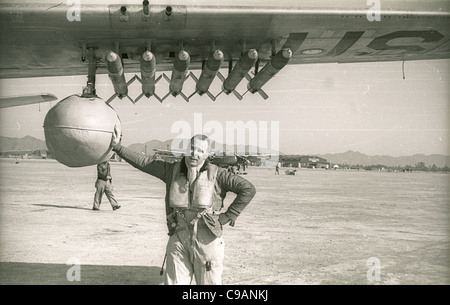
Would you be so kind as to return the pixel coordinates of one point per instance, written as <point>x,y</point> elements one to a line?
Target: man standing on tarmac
<point>195,190</point>
<point>104,185</point>
<point>277,168</point>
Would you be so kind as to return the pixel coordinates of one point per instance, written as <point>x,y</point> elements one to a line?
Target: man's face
<point>198,153</point>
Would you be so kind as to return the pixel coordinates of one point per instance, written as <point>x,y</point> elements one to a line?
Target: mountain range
<point>29,143</point>
<point>357,158</point>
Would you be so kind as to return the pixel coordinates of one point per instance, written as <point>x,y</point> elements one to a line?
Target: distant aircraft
<point>168,155</point>
<point>230,161</point>
<point>55,39</point>
<point>238,161</point>
<point>218,158</point>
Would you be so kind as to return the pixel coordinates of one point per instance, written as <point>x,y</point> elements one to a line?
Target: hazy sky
<point>319,108</point>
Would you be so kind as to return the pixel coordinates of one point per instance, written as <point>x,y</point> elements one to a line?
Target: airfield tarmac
<point>317,227</point>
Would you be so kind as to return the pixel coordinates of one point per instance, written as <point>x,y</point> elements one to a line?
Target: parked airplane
<point>218,158</point>
<point>230,161</point>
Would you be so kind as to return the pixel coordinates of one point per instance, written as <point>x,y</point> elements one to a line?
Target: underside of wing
<point>55,40</point>
<point>41,40</point>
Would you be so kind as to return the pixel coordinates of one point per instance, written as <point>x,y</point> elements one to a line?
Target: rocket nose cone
<point>111,56</point>
<point>183,55</point>
<point>218,55</point>
<point>253,54</point>
<point>147,56</point>
<point>287,53</point>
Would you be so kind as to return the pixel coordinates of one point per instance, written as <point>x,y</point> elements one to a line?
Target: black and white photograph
<point>248,144</point>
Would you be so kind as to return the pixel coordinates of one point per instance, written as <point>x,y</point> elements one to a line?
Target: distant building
<point>25,154</point>
<point>304,161</point>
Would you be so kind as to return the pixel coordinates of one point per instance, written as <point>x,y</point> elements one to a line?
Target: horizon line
<point>279,152</point>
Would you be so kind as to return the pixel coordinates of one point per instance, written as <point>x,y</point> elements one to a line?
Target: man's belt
<point>199,218</point>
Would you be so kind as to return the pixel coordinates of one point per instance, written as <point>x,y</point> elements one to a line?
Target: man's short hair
<point>200,137</point>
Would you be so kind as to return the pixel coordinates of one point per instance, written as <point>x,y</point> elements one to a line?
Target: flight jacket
<point>103,171</point>
<point>225,181</point>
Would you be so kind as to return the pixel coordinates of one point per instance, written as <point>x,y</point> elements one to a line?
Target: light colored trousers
<point>200,258</point>
<point>104,187</point>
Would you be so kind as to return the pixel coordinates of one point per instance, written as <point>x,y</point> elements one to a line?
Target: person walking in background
<point>277,168</point>
<point>104,185</point>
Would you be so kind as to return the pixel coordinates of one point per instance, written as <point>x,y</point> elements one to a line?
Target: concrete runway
<point>317,227</point>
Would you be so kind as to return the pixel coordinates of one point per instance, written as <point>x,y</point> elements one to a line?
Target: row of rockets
<point>180,72</point>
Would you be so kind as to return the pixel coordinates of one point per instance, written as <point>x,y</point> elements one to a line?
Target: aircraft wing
<point>26,100</point>
<point>52,39</point>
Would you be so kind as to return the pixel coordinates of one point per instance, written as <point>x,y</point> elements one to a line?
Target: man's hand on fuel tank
<point>116,136</point>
